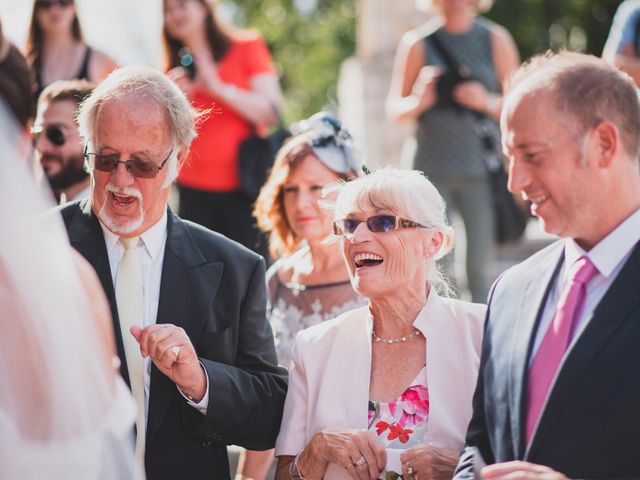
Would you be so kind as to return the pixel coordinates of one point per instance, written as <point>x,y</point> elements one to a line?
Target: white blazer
<point>331,368</point>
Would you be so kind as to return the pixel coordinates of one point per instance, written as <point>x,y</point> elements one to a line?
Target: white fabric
<point>608,256</point>
<point>62,413</point>
<point>130,311</point>
<point>329,376</point>
<point>151,255</point>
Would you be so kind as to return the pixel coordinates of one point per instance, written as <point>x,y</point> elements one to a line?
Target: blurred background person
<point>16,88</point>
<point>623,44</point>
<point>451,117</point>
<point>386,389</point>
<point>229,72</point>
<point>57,139</point>
<point>56,49</point>
<point>309,282</point>
<point>64,411</point>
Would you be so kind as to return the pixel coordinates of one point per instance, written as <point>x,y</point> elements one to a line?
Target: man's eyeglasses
<point>53,133</point>
<point>50,3</point>
<point>137,168</point>
<point>376,224</point>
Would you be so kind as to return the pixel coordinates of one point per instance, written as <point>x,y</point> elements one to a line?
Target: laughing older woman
<point>385,390</point>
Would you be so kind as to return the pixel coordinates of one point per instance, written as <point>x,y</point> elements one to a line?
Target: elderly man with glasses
<point>188,305</point>
<point>57,140</point>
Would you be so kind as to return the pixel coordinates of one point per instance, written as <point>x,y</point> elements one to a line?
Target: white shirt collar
<point>153,238</point>
<point>611,250</point>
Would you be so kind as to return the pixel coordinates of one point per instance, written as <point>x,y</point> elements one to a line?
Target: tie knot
<point>129,242</point>
<point>582,270</point>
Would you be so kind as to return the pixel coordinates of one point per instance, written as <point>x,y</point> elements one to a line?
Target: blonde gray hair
<point>408,194</point>
<point>430,6</point>
<point>142,82</point>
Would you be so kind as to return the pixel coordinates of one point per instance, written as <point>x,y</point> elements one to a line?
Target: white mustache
<point>128,191</point>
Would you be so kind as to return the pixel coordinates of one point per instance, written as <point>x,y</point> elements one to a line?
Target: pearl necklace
<point>415,333</point>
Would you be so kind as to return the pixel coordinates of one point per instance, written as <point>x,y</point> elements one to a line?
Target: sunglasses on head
<point>137,168</point>
<point>53,133</point>
<point>51,3</point>
<point>376,224</point>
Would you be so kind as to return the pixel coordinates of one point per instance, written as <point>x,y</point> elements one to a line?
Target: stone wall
<point>364,79</point>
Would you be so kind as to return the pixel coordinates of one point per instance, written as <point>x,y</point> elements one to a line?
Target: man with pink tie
<point>558,392</point>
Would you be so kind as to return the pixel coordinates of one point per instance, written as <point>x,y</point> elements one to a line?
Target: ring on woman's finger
<point>349,466</point>
<point>361,461</point>
<point>410,470</point>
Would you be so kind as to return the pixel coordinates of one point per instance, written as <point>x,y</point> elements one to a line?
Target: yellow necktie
<point>130,311</point>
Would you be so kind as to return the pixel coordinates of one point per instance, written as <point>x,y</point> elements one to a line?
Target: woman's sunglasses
<point>53,133</point>
<point>50,3</point>
<point>376,224</point>
<point>137,168</point>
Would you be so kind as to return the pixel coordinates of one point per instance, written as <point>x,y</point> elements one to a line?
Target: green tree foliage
<point>309,39</point>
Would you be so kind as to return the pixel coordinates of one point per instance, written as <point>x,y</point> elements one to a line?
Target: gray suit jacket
<point>214,289</point>
<point>590,427</point>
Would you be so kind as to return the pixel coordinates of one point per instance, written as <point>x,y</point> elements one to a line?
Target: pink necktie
<point>557,339</point>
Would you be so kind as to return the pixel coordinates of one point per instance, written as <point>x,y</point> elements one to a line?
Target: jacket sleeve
<point>246,398</point>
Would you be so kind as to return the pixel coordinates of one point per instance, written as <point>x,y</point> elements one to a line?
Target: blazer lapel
<point>526,319</point>
<point>608,316</point>
<point>187,291</point>
<point>85,235</point>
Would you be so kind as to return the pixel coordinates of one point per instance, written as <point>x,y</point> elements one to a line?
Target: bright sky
<point>128,30</point>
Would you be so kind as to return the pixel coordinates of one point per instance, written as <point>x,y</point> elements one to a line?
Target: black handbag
<point>256,155</point>
<point>511,220</point>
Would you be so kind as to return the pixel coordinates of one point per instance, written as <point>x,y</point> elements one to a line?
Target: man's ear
<point>606,142</point>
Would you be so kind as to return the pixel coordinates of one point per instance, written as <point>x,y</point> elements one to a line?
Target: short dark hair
<point>587,89</point>
<point>74,90</point>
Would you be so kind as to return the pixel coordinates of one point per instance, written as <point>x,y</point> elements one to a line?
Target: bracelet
<point>294,468</point>
<point>491,104</point>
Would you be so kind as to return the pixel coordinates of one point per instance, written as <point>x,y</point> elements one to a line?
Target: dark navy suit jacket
<point>213,288</point>
<point>590,426</point>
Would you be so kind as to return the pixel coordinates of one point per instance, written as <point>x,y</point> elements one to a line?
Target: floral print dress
<point>402,423</point>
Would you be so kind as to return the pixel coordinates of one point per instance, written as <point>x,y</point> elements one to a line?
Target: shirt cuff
<point>202,405</point>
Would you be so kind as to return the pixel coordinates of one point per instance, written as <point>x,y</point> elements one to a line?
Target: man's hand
<point>519,470</point>
<point>172,352</point>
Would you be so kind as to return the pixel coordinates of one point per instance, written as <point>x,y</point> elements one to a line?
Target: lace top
<point>294,307</point>
<point>402,423</point>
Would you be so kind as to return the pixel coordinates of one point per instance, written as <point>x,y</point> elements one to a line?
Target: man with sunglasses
<point>188,305</point>
<point>57,140</point>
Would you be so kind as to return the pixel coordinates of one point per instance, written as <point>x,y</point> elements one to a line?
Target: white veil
<point>63,410</point>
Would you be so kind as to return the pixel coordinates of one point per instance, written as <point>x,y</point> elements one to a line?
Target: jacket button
<point>206,444</point>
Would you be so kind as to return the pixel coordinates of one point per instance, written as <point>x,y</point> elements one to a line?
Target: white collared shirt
<point>608,256</point>
<point>151,253</point>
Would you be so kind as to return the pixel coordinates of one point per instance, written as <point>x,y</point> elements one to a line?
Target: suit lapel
<point>608,316</point>
<point>187,292</point>
<point>85,235</point>
<point>530,310</point>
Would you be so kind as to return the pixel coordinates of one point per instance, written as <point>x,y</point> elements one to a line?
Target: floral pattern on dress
<point>402,423</point>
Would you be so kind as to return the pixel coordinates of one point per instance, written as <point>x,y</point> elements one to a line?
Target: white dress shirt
<point>608,256</point>
<point>151,253</point>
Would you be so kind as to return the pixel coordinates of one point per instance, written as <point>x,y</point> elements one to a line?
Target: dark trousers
<point>228,213</point>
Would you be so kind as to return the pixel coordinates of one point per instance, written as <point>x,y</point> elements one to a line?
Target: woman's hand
<point>207,76</point>
<point>424,88</point>
<point>181,78</point>
<point>358,451</point>
<point>472,95</point>
<point>428,462</point>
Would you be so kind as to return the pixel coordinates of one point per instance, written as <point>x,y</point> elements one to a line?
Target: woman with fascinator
<point>308,283</point>
<point>384,391</point>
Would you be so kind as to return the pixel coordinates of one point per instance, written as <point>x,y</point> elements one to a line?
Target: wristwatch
<point>294,469</point>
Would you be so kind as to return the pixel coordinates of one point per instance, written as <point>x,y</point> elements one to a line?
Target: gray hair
<point>406,193</point>
<point>142,82</point>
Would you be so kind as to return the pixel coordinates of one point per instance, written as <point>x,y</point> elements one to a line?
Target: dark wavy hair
<point>33,49</point>
<point>220,37</point>
<point>16,87</point>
